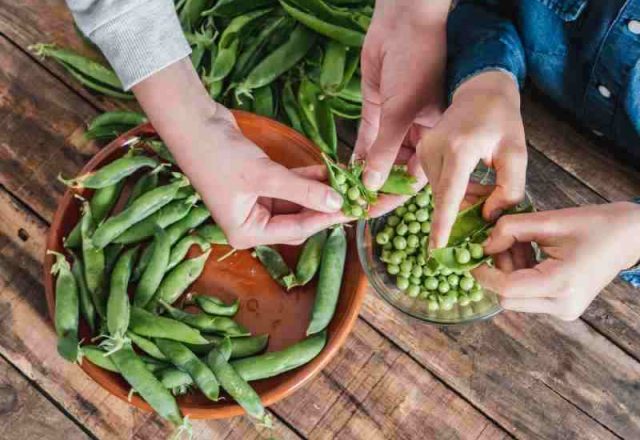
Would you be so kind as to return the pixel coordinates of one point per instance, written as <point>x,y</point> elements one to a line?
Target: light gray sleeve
<point>138,37</point>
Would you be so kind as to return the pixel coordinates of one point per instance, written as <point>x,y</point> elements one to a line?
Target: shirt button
<point>597,133</point>
<point>634,26</point>
<point>604,91</point>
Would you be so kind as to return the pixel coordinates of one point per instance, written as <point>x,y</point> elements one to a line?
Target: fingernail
<point>373,180</point>
<point>334,201</point>
<point>495,214</point>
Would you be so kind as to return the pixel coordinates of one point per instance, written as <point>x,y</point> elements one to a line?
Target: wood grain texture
<point>27,414</point>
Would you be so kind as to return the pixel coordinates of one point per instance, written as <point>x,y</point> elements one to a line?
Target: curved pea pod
<point>165,216</point>
<point>280,60</point>
<point>236,26</point>
<point>233,8</point>
<point>183,358</point>
<point>87,308</point>
<point>112,173</point>
<point>236,386</point>
<point>190,13</point>
<point>134,371</point>
<point>213,234</point>
<point>175,380</point>
<point>141,208</point>
<point>181,248</point>
<point>178,279</point>
<point>348,37</point>
<point>317,119</point>
<point>98,357</point>
<point>329,280</point>
<point>469,221</point>
<point>147,324</point>
<point>224,62</point>
<point>291,107</point>
<point>128,118</point>
<point>146,345</point>
<point>345,109</point>
<point>399,182</point>
<point>206,323</point>
<point>273,262</point>
<point>348,18</point>
<point>215,306</point>
<point>333,66</point>
<point>144,184</point>
<point>277,362</point>
<point>240,347</point>
<point>94,262</point>
<point>67,308</point>
<point>102,201</point>
<point>308,262</point>
<point>118,305</point>
<point>352,90</point>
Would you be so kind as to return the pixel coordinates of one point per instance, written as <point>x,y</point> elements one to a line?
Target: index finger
<point>288,228</point>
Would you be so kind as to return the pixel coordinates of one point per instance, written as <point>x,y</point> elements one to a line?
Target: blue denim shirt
<point>583,54</point>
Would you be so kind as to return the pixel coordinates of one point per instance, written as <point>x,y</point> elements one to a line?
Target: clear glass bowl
<point>384,284</point>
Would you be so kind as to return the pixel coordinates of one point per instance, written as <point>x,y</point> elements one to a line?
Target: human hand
<point>403,62</point>
<point>482,123</point>
<point>238,182</point>
<point>586,248</point>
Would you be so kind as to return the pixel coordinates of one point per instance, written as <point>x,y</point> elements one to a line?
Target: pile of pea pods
<point>125,267</point>
<point>297,61</point>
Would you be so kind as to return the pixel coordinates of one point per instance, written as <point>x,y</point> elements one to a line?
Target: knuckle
<point>502,227</point>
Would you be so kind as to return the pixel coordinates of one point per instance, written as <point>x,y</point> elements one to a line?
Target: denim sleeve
<point>482,37</point>
<point>632,275</point>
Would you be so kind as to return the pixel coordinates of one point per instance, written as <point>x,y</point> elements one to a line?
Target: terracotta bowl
<point>265,306</point>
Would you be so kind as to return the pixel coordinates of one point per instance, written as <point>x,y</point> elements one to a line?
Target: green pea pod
<point>175,380</point>
<point>118,117</point>
<point>183,358</point>
<point>147,324</point>
<point>200,43</point>
<point>210,324</point>
<point>214,306</point>
<point>101,203</point>
<point>212,234</point>
<point>277,362</point>
<point>311,114</point>
<point>134,371</point>
<point>146,345</point>
<point>112,173</point>
<point>240,347</point>
<point>118,303</point>
<point>351,66</point>
<point>145,184</point>
<point>181,248</point>
<point>98,357</point>
<point>96,86</point>
<point>290,106</point>
<point>263,103</point>
<point>308,262</point>
<point>352,90</point>
<point>142,207</point>
<point>327,125</point>
<point>224,61</point>
<point>176,281</point>
<point>106,132</point>
<point>280,60</point>
<point>273,262</point>
<point>67,308</point>
<point>165,216</point>
<point>155,270</point>
<point>345,109</point>
<point>233,8</point>
<point>347,18</point>
<point>399,182</point>
<point>468,222</point>
<point>160,148</point>
<point>236,386</point>
<point>344,35</point>
<point>333,67</point>
<point>329,281</point>
<point>87,308</point>
<point>190,14</point>
<point>94,262</point>
<point>446,257</point>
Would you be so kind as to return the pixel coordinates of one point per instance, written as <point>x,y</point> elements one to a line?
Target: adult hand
<point>403,62</point>
<point>586,248</point>
<point>482,123</point>
<point>240,185</point>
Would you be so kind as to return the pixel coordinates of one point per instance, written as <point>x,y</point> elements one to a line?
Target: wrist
<point>632,231</point>
<point>430,14</point>
<point>491,84</point>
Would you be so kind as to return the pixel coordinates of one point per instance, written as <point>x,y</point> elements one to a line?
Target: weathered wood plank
<point>27,414</point>
<point>27,340</point>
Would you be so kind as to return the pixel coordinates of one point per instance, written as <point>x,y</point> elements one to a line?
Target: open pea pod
<point>399,182</point>
<point>446,257</point>
<point>469,221</point>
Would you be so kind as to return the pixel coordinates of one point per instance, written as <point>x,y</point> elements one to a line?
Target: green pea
<point>433,306</point>
<point>463,256</point>
<point>415,280</point>
<point>384,256</point>
<point>428,271</point>
<point>343,188</point>
<point>464,300</point>
<point>409,217</point>
<point>453,280</point>
<point>445,271</point>
<point>413,241</point>
<point>453,294</point>
<point>446,303</point>
<point>466,284</point>
<point>443,287</point>
<point>396,257</point>
<point>353,193</point>
<point>356,211</point>
<point>400,211</point>
<point>382,238</point>
<point>422,199</point>
<point>387,246</point>
<point>421,260</point>
<point>424,294</point>
<point>393,220</point>
<point>423,240</point>
<point>402,283</point>
<point>425,228</point>
<point>406,265</point>
<point>476,295</point>
<point>467,274</point>
<point>422,215</point>
<point>393,269</point>
<point>399,243</point>
<point>389,231</point>
<point>431,283</point>
<point>402,229</point>
<point>340,179</point>
<point>414,227</point>
<point>413,291</point>
<point>412,207</point>
<point>475,250</point>
<point>416,271</point>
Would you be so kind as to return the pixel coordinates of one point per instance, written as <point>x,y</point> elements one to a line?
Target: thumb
<point>511,168</point>
<point>510,229</point>
<point>280,183</point>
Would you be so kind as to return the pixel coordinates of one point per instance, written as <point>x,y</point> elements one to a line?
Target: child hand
<point>586,248</point>
<point>482,123</point>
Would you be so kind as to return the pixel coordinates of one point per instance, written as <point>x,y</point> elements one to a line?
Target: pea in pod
<point>468,222</point>
<point>147,324</point>
<point>161,149</point>
<point>308,262</point>
<point>329,280</point>
<point>399,182</point>
<point>67,308</point>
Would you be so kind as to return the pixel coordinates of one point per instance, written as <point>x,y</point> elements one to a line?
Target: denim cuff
<point>632,275</point>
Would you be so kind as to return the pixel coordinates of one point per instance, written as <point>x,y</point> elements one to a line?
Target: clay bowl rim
<point>337,331</point>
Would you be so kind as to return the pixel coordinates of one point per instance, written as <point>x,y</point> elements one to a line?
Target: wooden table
<point>515,376</point>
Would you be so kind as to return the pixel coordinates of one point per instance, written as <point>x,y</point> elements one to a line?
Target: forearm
<point>416,13</point>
